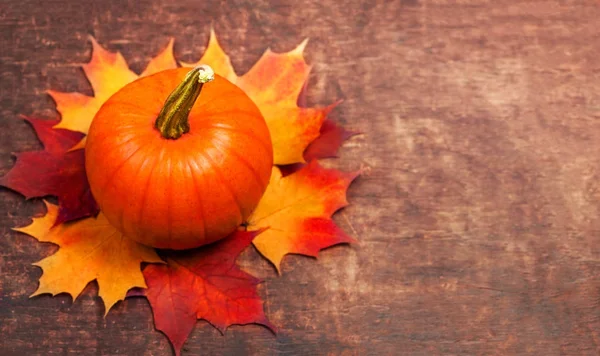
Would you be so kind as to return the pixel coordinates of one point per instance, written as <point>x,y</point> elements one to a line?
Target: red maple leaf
<point>296,211</point>
<point>330,139</point>
<point>54,171</point>
<point>204,283</point>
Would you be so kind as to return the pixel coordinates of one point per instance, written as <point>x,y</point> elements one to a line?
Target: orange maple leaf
<point>297,209</point>
<point>90,249</point>
<point>274,83</point>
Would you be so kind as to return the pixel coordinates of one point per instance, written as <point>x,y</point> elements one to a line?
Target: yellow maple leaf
<point>274,84</point>
<point>296,212</point>
<point>107,72</point>
<point>89,249</point>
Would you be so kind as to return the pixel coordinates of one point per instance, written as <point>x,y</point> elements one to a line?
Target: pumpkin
<point>176,163</point>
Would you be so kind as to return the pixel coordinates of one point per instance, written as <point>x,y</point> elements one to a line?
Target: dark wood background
<point>479,220</point>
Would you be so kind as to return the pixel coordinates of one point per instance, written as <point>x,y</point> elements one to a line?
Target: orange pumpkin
<point>177,164</point>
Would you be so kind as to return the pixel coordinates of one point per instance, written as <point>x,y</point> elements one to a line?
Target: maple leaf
<point>107,72</point>
<point>204,283</point>
<point>54,171</point>
<point>89,249</point>
<point>163,61</point>
<point>326,145</point>
<point>329,141</point>
<point>297,211</point>
<point>274,83</point>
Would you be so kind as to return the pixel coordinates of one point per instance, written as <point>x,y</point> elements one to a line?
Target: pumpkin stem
<point>172,121</point>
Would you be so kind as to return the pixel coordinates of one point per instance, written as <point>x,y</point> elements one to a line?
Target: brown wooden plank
<point>479,220</point>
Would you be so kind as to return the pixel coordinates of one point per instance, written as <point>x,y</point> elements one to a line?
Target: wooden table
<point>479,220</point>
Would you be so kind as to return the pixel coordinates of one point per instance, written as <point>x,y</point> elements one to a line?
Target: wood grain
<point>478,220</point>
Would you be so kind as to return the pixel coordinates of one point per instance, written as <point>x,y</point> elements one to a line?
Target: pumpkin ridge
<point>198,195</point>
<point>130,139</point>
<point>248,165</point>
<point>110,178</point>
<point>250,134</point>
<point>132,106</point>
<point>168,200</point>
<point>137,175</point>
<point>147,185</point>
<point>218,172</point>
<point>228,112</point>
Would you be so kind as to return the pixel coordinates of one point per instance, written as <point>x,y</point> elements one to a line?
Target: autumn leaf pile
<point>293,217</point>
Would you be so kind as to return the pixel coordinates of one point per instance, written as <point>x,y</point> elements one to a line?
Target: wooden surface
<point>479,220</point>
